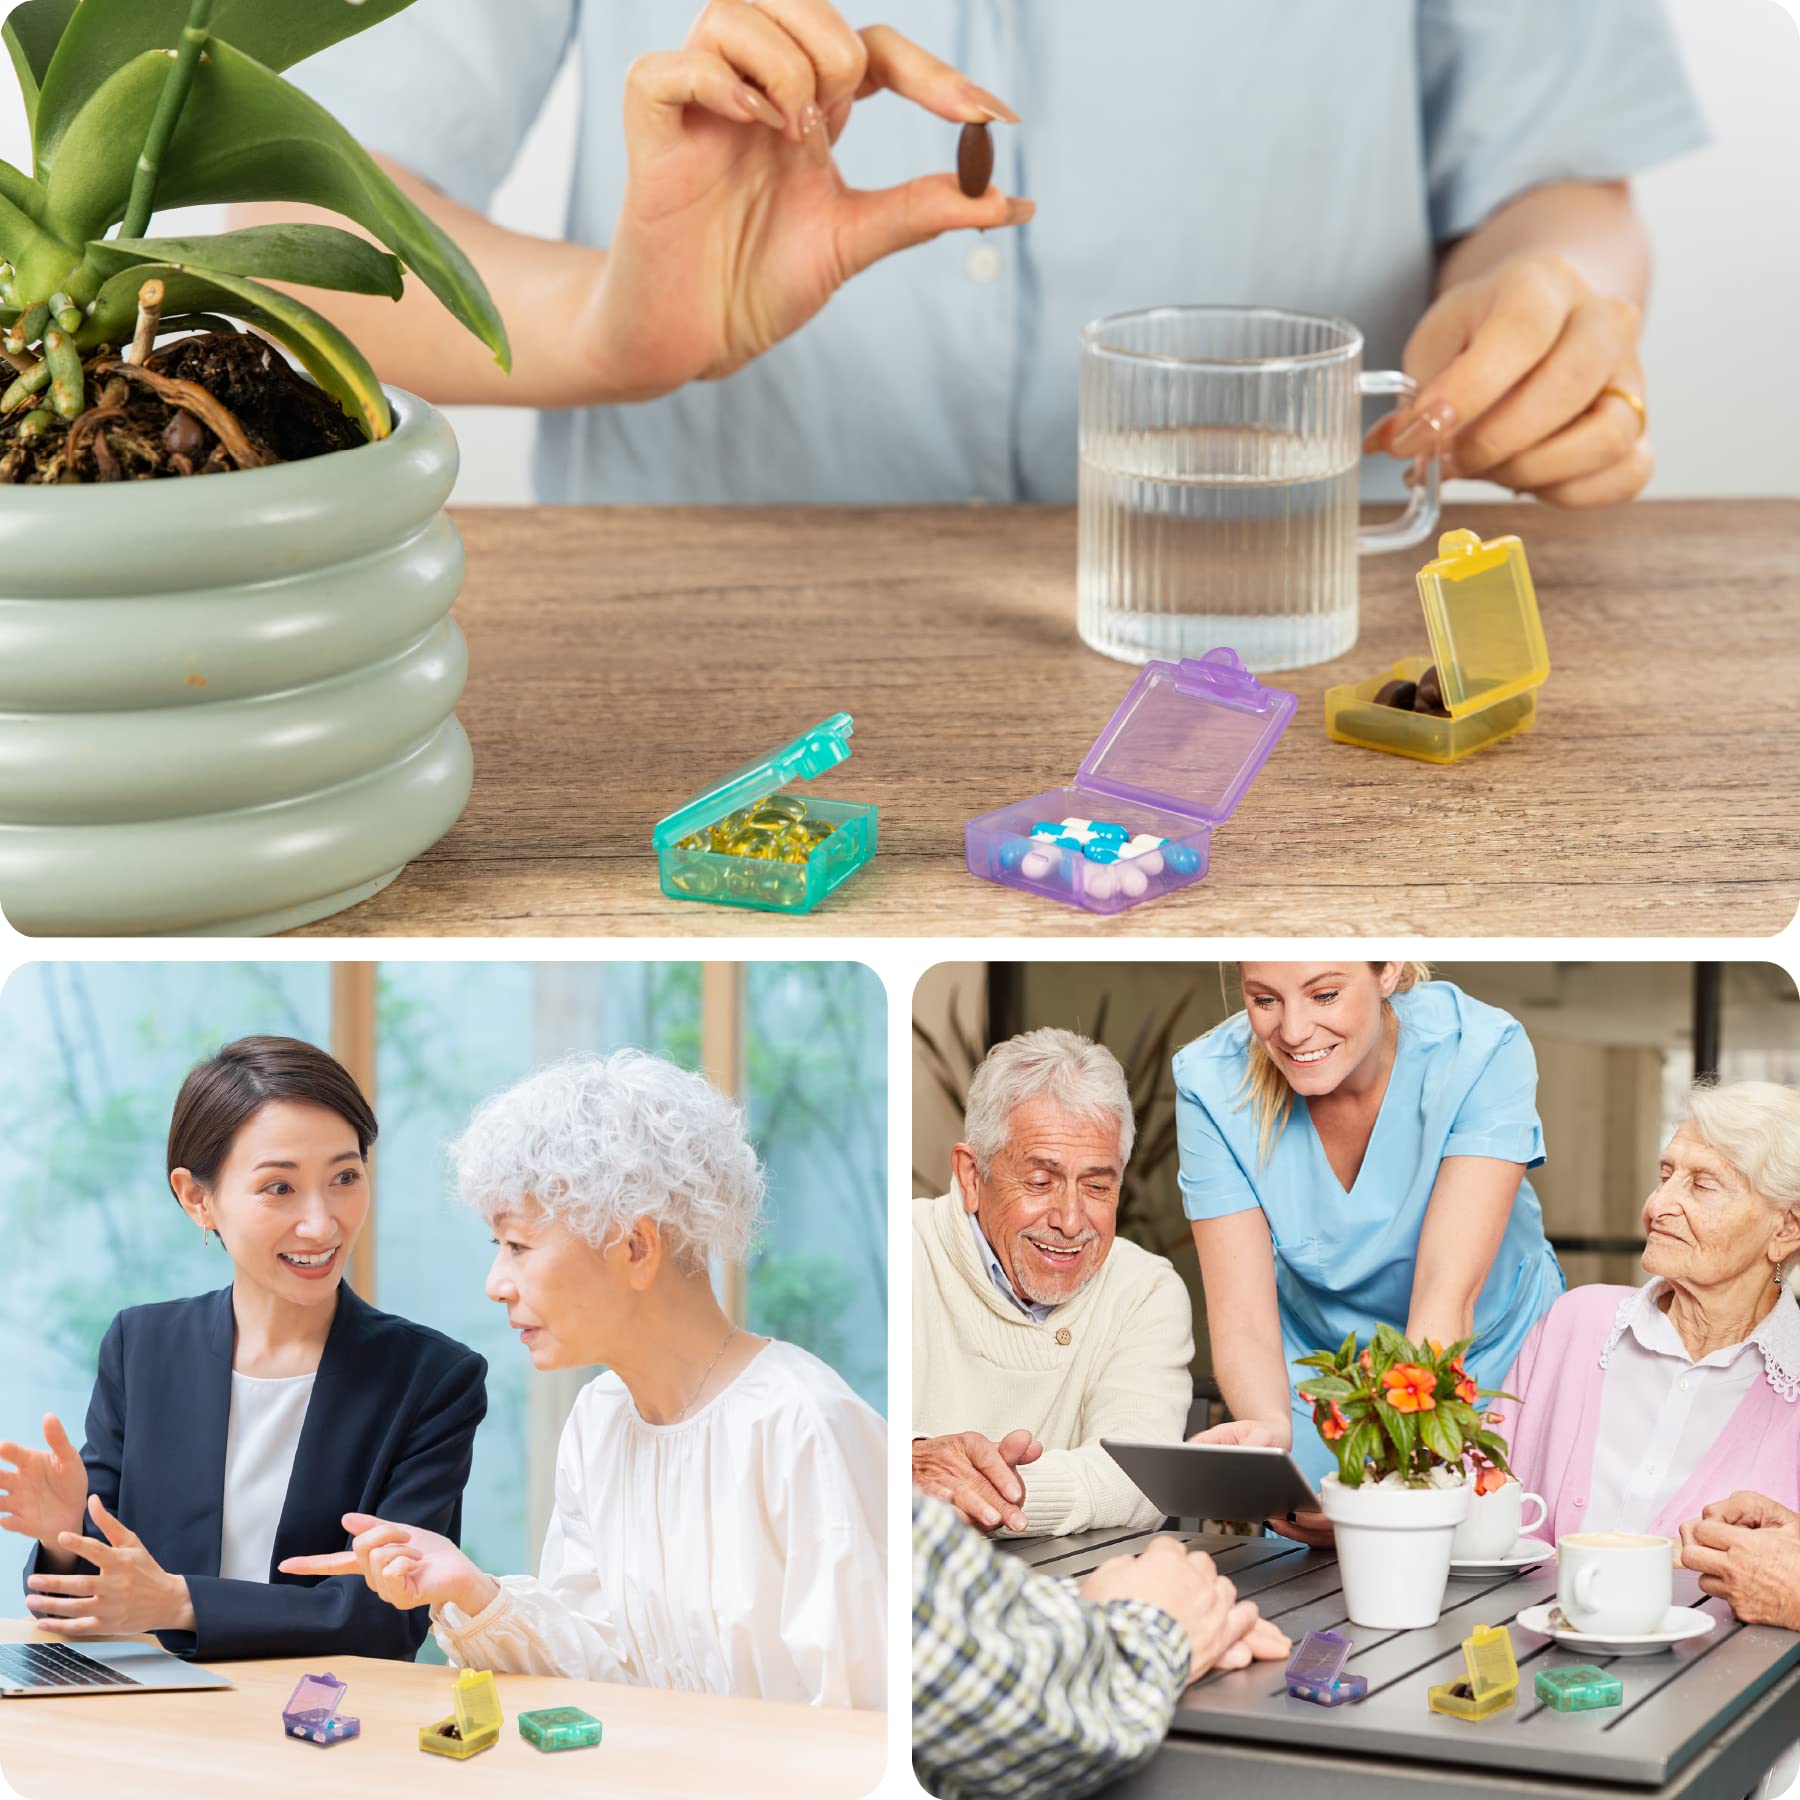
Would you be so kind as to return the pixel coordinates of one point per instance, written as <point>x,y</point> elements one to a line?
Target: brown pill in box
<point>974,160</point>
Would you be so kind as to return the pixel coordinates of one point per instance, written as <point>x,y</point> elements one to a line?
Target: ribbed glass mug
<point>1221,453</point>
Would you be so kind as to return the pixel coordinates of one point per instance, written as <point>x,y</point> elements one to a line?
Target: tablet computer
<point>1215,1481</point>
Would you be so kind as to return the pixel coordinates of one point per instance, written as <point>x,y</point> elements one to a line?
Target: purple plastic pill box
<point>1172,763</point>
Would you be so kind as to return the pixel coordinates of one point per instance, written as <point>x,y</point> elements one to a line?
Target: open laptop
<point>103,1666</point>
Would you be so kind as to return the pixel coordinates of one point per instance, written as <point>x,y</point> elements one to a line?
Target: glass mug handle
<point>1420,519</point>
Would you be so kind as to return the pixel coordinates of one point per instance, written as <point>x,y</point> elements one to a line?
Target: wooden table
<point>230,1741</point>
<point>1701,1722</point>
<point>622,658</point>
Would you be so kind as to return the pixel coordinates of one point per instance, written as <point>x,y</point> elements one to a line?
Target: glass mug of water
<point>1221,454</point>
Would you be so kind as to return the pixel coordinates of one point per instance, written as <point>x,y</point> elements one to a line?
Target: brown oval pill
<point>1430,697</point>
<point>1398,693</point>
<point>974,160</point>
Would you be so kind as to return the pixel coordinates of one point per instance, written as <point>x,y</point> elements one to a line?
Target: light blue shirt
<point>1464,1083</point>
<point>1034,1310</point>
<point>1302,153</point>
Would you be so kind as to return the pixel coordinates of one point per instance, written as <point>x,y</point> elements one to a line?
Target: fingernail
<point>1447,464</point>
<point>990,1518</point>
<point>761,107</point>
<point>1018,211</point>
<point>809,118</point>
<point>991,106</point>
<point>1423,427</point>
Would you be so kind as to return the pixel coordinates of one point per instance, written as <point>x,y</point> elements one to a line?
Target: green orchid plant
<point>141,103</point>
<point>1396,1407</point>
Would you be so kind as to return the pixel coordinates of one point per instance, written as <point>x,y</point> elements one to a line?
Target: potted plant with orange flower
<point>1401,1418</point>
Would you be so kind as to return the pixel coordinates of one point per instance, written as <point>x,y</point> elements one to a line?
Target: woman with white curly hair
<point>719,1524</point>
<point>1638,1406</point>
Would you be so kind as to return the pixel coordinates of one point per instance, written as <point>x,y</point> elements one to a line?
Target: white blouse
<point>1661,1412</point>
<point>742,1551</point>
<point>262,1433</point>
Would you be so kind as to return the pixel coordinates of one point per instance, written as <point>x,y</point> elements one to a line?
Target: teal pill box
<point>1578,1687</point>
<point>560,1728</point>
<point>692,870</point>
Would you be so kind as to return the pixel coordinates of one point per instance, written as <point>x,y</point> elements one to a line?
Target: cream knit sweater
<point>1112,1362</point>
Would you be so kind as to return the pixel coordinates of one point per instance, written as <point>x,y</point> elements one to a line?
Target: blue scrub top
<point>1314,154</point>
<point>1464,1083</point>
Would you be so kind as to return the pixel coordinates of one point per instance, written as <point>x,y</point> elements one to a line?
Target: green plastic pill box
<point>1578,1687</point>
<point>560,1728</point>
<point>692,870</point>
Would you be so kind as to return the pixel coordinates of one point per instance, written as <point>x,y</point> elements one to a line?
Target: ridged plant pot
<point>225,703</point>
<point>1393,1549</point>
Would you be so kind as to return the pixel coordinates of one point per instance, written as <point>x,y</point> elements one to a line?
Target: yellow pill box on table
<point>743,841</point>
<point>475,1724</point>
<point>1493,1681</point>
<point>1487,642</point>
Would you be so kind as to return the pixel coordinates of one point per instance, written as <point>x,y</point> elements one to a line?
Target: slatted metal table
<point>1701,1722</point>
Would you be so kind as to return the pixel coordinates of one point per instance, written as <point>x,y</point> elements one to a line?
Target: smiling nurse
<point>1393,1192</point>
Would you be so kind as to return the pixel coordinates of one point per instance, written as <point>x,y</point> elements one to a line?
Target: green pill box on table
<point>560,1728</point>
<point>1578,1687</point>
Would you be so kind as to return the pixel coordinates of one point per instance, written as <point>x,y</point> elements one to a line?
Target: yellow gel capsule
<point>763,845</point>
<point>776,884</point>
<point>790,808</point>
<point>697,879</point>
<point>698,840</point>
<point>737,882</point>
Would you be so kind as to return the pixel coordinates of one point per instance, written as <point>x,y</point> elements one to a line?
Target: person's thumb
<point>883,220</point>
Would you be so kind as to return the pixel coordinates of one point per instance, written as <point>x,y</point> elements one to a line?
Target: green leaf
<point>1440,1436</point>
<point>40,258</point>
<point>245,134</point>
<point>1354,1450</point>
<point>1327,1387</point>
<point>326,354</point>
<point>1403,1433</point>
<point>32,32</point>
<point>104,35</point>
<point>1346,1351</point>
<point>308,255</point>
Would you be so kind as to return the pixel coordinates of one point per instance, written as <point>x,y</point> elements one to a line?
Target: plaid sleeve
<point>1021,1687</point>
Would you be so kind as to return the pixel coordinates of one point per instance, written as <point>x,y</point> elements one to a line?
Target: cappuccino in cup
<point>1615,1583</point>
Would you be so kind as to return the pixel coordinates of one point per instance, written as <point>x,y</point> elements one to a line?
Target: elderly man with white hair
<point>1640,1407</point>
<point>1036,1332</point>
<point>719,1524</point>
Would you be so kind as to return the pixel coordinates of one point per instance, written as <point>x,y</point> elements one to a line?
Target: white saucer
<point>1679,1624</point>
<point>1522,1555</point>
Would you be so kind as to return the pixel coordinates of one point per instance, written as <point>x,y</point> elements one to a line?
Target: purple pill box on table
<point>1172,763</point>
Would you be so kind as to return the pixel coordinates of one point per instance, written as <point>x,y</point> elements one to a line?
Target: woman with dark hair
<point>230,1430</point>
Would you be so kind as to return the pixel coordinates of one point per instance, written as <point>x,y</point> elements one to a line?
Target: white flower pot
<point>1393,1549</point>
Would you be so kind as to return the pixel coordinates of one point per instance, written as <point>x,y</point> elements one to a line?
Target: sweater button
<point>1064,1335</point>
<point>1581,1499</point>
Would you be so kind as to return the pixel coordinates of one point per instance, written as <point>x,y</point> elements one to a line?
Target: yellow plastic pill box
<point>475,1724</point>
<point>1493,1681</point>
<point>1487,640</point>
<point>691,873</point>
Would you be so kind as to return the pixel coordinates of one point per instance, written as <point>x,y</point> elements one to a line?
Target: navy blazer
<point>390,1429</point>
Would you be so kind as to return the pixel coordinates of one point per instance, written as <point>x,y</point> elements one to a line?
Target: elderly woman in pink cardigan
<point>1639,1406</point>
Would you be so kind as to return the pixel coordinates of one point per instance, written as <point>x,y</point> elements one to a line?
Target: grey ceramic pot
<point>225,703</point>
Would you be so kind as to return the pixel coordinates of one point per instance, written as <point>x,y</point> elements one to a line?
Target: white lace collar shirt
<point>1660,1411</point>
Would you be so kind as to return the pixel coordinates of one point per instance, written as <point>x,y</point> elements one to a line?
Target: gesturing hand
<point>127,1590</point>
<point>976,1475</point>
<point>1513,364</point>
<point>43,1491</point>
<point>406,1565</point>
<point>735,226</point>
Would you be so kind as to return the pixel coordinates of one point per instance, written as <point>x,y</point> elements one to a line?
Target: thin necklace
<point>701,1383</point>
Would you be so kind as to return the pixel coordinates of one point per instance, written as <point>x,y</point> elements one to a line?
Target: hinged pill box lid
<point>1488,1655</point>
<point>1320,1659</point>
<point>1482,613</point>
<point>316,1699</point>
<point>1189,737</point>
<point>477,1702</point>
<point>810,754</point>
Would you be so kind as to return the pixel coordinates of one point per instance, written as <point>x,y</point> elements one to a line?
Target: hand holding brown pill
<point>736,225</point>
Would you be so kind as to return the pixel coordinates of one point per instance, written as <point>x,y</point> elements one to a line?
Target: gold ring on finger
<point>1634,401</point>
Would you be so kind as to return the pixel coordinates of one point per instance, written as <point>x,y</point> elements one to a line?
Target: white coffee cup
<point>1615,1583</point>
<point>1495,1523</point>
